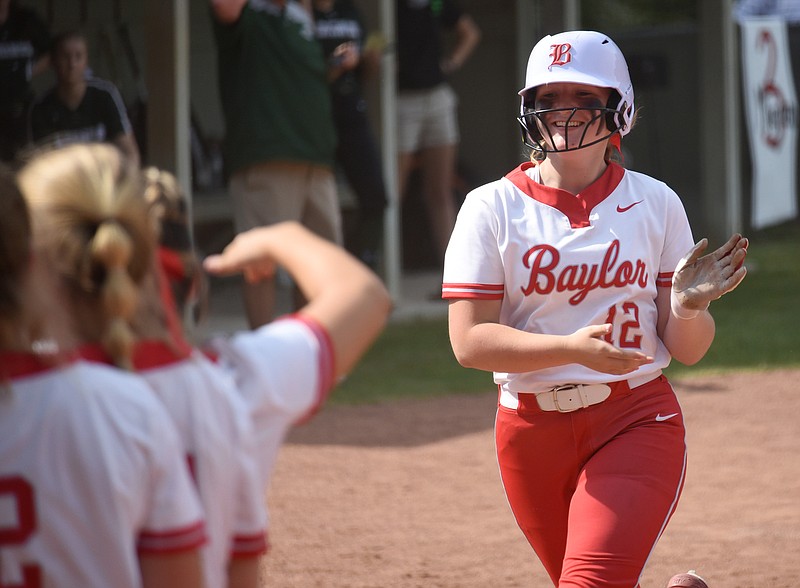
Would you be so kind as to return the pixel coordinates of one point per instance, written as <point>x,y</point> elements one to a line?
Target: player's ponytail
<point>112,249</point>
<point>92,223</point>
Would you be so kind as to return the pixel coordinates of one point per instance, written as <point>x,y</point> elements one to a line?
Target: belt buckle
<point>564,388</point>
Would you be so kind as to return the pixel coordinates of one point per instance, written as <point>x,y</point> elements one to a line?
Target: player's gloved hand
<point>699,280</point>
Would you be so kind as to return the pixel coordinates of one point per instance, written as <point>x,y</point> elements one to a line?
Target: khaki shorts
<point>268,193</point>
<point>427,118</point>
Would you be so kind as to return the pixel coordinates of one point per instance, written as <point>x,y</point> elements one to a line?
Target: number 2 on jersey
<point>17,496</point>
<point>629,338</point>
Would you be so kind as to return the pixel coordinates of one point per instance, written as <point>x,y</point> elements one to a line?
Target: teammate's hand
<point>246,254</point>
<point>699,280</point>
<point>592,351</point>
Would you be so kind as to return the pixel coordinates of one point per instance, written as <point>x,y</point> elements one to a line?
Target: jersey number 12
<point>629,338</point>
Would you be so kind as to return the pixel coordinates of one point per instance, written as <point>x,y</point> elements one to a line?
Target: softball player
<point>219,443</point>
<point>93,484</point>
<point>282,371</point>
<point>286,369</point>
<point>211,419</point>
<point>346,310</point>
<point>569,278</point>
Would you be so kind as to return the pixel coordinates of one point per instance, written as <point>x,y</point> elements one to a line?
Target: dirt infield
<point>407,495</point>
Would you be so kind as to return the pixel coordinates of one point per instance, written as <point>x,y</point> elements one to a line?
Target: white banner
<point>771,108</point>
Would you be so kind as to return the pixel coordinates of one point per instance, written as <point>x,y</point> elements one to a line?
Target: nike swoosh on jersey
<point>661,418</point>
<point>627,208</point>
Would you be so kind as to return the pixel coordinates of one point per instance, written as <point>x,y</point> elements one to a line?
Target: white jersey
<point>284,370</point>
<point>91,472</point>
<point>218,438</point>
<point>560,262</point>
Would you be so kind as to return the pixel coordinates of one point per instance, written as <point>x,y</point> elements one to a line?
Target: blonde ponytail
<point>112,248</point>
<point>92,223</point>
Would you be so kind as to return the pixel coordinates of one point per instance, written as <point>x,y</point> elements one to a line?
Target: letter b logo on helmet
<point>560,54</point>
<point>583,57</point>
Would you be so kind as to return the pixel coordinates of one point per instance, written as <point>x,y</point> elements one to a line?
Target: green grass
<point>758,327</point>
<point>410,359</point>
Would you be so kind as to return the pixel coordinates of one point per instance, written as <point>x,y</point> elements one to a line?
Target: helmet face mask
<point>532,121</point>
<point>577,57</point>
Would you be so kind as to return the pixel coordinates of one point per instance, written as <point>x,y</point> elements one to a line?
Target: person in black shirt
<point>341,32</point>
<point>427,125</point>
<point>24,46</point>
<point>80,109</point>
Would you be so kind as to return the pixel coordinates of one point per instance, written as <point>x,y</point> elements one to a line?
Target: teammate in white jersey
<point>108,219</point>
<point>286,369</point>
<point>283,371</point>
<point>570,280</point>
<point>94,490</point>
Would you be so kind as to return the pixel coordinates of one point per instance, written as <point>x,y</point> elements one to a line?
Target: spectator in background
<point>280,138</point>
<point>80,108</point>
<point>427,122</point>
<point>24,47</point>
<point>351,58</point>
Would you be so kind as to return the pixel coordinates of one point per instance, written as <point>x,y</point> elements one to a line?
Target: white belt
<point>572,397</point>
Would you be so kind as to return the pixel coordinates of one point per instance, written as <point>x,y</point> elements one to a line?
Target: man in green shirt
<point>280,139</point>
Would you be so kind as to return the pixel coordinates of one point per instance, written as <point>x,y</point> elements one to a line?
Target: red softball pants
<point>593,489</point>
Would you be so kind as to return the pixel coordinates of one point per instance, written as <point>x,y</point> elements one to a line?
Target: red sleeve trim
<point>471,295</point>
<point>326,366</point>
<point>460,286</point>
<point>473,291</point>
<point>175,541</point>
<point>250,545</point>
<point>664,280</point>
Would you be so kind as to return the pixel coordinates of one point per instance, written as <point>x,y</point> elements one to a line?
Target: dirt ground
<point>407,494</point>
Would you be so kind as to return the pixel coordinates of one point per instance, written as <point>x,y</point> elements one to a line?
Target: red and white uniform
<point>91,472</point>
<point>284,371</point>
<point>217,435</point>
<point>593,489</point>
<point>560,262</point>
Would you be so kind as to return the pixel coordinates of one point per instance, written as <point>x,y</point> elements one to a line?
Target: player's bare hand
<point>592,351</point>
<point>246,254</point>
<point>699,280</point>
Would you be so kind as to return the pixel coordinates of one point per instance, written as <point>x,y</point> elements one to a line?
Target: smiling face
<point>570,115</point>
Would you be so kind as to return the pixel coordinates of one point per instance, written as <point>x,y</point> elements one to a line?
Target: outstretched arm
<point>344,296</point>
<point>685,325</point>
